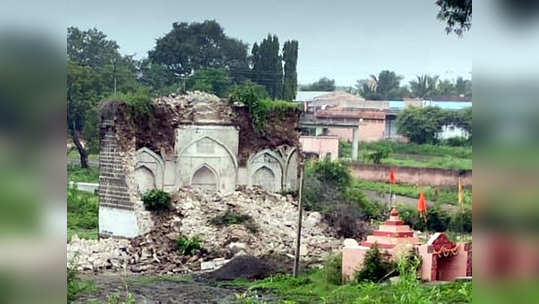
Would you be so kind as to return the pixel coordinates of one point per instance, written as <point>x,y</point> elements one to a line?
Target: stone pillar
<point>355,143</point>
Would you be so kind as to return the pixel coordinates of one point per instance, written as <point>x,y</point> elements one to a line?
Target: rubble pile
<point>155,252</point>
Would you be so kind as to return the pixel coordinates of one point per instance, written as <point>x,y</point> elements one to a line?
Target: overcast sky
<point>344,40</point>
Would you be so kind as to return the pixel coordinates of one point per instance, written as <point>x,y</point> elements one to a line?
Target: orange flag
<point>421,204</point>
<point>391,176</point>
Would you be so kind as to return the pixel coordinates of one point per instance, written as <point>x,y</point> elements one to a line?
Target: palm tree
<point>424,86</point>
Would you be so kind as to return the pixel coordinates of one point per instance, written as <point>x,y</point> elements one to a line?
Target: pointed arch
<point>146,158</point>
<point>205,177</point>
<point>232,156</point>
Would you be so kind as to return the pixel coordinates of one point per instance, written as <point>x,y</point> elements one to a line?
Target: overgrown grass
<point>75,286</point>
<point>442,195</point>
<point>82,210</point>
<point>77,174</point>
<point>414,155</point>
<point>313,288</point>
<point>74,153</point>
<point>426,149</point>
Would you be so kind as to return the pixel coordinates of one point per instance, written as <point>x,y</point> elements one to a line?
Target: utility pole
<point>300,214</point>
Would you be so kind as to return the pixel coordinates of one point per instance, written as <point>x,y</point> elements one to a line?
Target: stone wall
<point>116,209</point>
<point>412,176</point>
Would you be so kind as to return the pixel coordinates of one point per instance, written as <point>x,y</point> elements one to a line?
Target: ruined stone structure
<point>442,260</point>
<point>205,154</point>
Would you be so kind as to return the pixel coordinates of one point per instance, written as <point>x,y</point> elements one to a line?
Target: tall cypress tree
<point>290,81</point>
<point>267,66</point>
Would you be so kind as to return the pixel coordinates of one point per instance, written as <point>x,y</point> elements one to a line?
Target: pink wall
<point>412,176</point>
<point>369,130</point>
<point>321,145</point>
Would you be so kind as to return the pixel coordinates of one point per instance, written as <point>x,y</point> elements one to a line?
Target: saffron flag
<point>422,205</point>
<point>391,176</point>
<point>460,198</point>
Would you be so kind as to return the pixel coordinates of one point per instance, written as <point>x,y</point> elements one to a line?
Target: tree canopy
<point>457,14</point>
<point>192,46</point>
<point>323,84</point>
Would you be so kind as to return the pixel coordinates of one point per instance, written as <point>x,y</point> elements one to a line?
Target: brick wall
<point>369,130</point>
<point>113,190</point>
<point>413,176</point>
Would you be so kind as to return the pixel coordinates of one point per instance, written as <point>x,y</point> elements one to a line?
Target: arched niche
<point>216,156</point>
<point>145,179</point>
<point>291,177</point>
<point>148,165</point>
<point>205,178</point>
<point>269,162</point>
<point>265,178</point>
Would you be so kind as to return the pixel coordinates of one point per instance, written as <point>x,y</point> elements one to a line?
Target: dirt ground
<point>154,290</point>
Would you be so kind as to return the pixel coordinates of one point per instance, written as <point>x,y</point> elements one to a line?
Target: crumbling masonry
<point>195,140</point>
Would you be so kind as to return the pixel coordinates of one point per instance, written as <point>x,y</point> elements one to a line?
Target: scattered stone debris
<point>155,252</point>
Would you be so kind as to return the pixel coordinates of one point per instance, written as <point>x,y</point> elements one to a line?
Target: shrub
<point>437,219</point>
<point>156,200</point>
<point>456,142</point>
<point>378,155</point>
<point>233,217</point>
<point>461,221</point>
<point>375,266</point>
<point>188,246</point>
<point>332,270</point>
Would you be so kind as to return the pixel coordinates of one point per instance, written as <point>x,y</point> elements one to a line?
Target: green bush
<point>375,266</point>
<point>327,189</point>
<point>156,200</point>
<point>188,246</point>
<point>332,270</point>
<point>456,142</point>
<point>461,221</point>
<point>378,155</point>
<point>437,219</point>
<point>233,217</point>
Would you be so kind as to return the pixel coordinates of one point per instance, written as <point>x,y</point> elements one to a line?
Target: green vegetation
<point>313,287</point>
<point>439,195</point>
<point>413,155</point>
<point>438,220</point>
<point>258,107</point>
<point>156,200</point>
<point>332,270</point>
<point>188,246</point>
<point>87,175</point>
<point>82,208</point>
<point>375,266</point>
<point>75,286</point>
<point>417,149</point>
<point>233,217</point>
<point>422,124</point>
<point>328,189</point>
<point>377,155</point>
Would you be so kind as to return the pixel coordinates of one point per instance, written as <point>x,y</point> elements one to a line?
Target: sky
<point>342,40</point>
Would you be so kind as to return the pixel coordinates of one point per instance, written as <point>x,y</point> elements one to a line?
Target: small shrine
<point>442,260</point>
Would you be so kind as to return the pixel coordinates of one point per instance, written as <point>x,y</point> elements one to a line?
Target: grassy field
<point>443,195</point>
<point>73,153</point>
<point>314,288</point>
<point>82,211</point>
<point>77,174</point>
<point>413,155</point>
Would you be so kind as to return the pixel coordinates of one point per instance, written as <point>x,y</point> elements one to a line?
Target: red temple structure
<point>442,260</point>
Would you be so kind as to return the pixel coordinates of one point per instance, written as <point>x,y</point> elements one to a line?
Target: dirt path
<point>154,290</point>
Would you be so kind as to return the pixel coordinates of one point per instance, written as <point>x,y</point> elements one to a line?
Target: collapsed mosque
<point>192,140</point>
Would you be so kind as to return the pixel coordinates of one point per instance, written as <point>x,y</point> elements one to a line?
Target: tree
<point>457,14</point>
<point>420,125</point>
<point>323,84</point>
<point>189,47</point>
<point>267,67</point>
<point>424,86</point>
<point>446,89</point>
<point>463,87</point>
<point>212,80</point>
<point>290,81</point>
<point>387,84</point>
<point>95,69</point>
